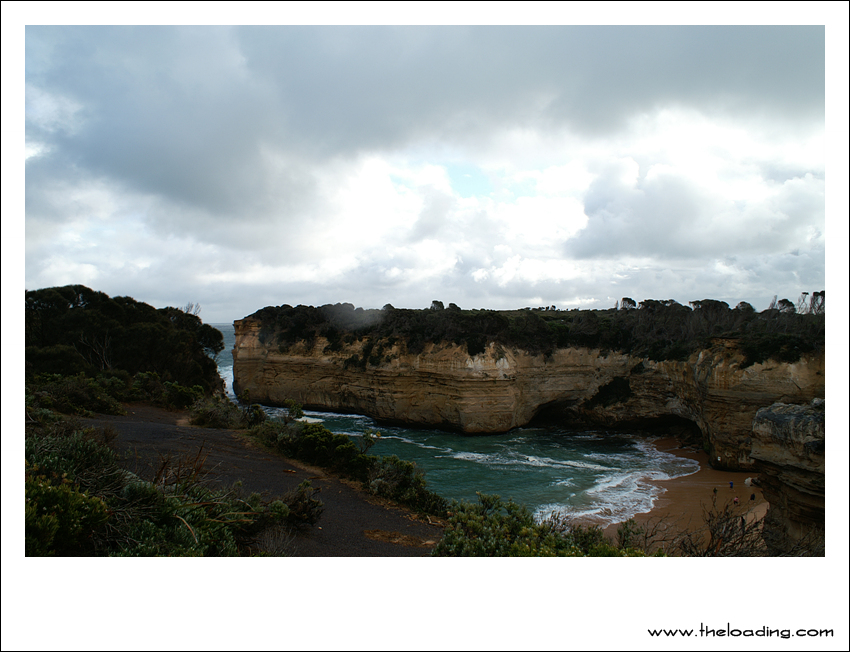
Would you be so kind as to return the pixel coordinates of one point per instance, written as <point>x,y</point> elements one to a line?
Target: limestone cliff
<point>788,449</point>
<point>504,387</point>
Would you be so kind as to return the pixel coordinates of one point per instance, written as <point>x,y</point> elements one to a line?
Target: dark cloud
<point>193,158</point>
<point>187,113</point>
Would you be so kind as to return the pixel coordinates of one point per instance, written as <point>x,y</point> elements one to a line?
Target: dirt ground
<point>353,524</point>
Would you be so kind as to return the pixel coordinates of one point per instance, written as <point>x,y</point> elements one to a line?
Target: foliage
<point>59,519</point>
<point>367,440</point>
<point>494,528</point>
<point>403,482</point>
<point>79,501</point>
<point>72,395</point>
<point>73,329</point>
<point>221,412</point>
<point>389,477</point>
<point>82,396</point>
<point>725,532</point>
<point>302,505</point>
<point>659,330</point>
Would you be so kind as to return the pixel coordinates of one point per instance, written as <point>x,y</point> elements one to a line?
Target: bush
<point>221,412</point>
<point>73,395</point>
<point>493,528</point>
<point>80,502</point>
<point>59,519</point>
<point>401,481</point>
<point>389,477</point>
<point>179,397</point>
<point>302,506</point>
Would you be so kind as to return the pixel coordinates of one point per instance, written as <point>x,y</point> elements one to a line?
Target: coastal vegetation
<point>657,330</point>
<point>80,501</point>
<point>386,476</point>
<point>494,528</point>
<point>86,354</point>
<point>75,330</point>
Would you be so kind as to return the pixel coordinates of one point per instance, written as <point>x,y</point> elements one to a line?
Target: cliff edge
<point>503,387</point>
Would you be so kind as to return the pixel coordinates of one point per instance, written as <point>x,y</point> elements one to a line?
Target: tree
<point>786,306</point>
<point>192,309</point>
<point>117,334</point>
<point>627,303</point>
<point>437,305</point>
<point>726,532</point>
<point>745,307</point>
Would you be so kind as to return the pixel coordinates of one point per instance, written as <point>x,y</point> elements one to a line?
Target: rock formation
<point>788,450</point>
<point>502,388</point>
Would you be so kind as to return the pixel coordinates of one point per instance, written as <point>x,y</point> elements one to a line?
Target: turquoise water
<point>598,476</point>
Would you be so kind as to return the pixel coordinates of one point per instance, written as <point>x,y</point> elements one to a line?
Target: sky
<point>490,166</point>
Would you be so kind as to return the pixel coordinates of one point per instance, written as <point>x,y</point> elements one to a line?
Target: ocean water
<point>598,476</point>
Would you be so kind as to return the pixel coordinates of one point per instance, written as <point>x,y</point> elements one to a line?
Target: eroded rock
<point>788,448</point>
<point>503,388</point>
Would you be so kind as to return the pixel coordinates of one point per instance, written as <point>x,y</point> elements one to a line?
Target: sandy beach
<point>684,498</point>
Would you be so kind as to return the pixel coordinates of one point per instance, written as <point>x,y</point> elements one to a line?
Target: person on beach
<point>752,497</point>
<point>730,484</point>
<point>736,500</point>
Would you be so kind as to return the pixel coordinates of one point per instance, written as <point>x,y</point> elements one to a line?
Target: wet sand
<point>684,499</point>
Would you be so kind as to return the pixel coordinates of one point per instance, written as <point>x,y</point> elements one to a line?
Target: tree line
<point>74,329</point>
<point>655,329</point>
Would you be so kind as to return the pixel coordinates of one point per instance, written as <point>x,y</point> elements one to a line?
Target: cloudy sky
<point>496,167</point>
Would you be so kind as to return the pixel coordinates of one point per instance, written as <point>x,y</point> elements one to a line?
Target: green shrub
<point>658,330</point>
<point>78,454</point>
<point>73,395</point>
<point>221,412</point>
<point>179,397</point>
<point>79,501</point>
<point>302,507</point>
<point>59,519</point>
<point>389,477</point>
<point>494,528</point>
<point>403,482</point>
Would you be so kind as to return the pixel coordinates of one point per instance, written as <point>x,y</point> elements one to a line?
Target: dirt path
<point>353,524</point>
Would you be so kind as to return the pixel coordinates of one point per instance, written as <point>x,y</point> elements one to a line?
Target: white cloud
<point>496,165</point>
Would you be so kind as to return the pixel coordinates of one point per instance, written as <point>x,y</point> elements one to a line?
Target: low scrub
<point>82,395</point>
<point>221,412</point>
<point>495,528</point>
<point>79,501</point>
<point>389,477</point>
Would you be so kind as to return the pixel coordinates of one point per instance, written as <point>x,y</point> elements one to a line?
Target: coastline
<point>683,499</point>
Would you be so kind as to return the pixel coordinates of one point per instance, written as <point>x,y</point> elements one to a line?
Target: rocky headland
<point>712,396</point>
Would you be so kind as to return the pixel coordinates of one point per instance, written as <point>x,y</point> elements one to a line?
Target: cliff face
<point>788,449</point>
<point>503,388</point>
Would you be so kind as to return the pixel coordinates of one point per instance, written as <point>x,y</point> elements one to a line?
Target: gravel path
<point>353,524</point>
